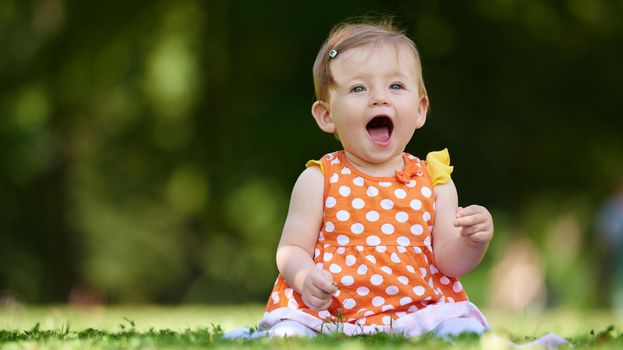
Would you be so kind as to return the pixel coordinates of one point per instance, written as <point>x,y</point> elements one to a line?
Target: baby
<point>374,239</point>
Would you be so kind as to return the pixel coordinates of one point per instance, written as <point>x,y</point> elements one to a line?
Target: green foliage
<point>199,326</point>
<point>210,338</point>
<point>147,149</point>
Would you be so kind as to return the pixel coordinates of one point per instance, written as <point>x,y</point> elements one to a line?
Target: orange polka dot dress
<point>376,241</point>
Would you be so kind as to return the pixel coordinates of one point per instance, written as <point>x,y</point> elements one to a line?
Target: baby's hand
<point>476,224</point>
<point>318,289</point>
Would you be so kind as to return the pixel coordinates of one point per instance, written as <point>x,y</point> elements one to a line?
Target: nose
<point>379,98</point>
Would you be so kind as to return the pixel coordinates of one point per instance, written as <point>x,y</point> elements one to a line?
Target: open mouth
<point>380,129</point>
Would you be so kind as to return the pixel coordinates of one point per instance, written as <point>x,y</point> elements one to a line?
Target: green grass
<point>149,327</point>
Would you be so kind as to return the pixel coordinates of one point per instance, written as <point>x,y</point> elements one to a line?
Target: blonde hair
<point>349,35</point>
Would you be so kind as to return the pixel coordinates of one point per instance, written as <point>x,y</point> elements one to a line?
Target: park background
<point>148,148</point>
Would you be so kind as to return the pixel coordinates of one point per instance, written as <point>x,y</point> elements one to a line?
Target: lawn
<point>148,327</point>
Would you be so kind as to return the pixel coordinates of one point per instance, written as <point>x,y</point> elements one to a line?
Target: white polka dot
<point>381,248</point>
<point>410,269</point>
<point>400,193</point>
<point>324,314</point>
<point>385,184</point>
<point>333,179</point>
<point>387,320</point>
<point>403,279</point>
<point>362,270</point>
<point>327,256</point>
<point>363,291</point>
<point>373,240</point>
<point>411,184</point>
<point>350,260</point>
<point>387,307</point>
<point>387,204</point>
<point>457,287</point>
<point>340,250</point>
<point>426,216</point>
<point>403,241</point>
<point>387,229</point>
<point>427,241</point>
<point>401,249</point>
<point>405,300</point>
<point>395,259</point>
<point>392,290</point>
<point>342,215</point>
<point>378,301</point>
<point>419,290</point>
<point>335,268</point>
<point>330,203</point>
<point>423,272</point>
<point>316,252</point>
<point>358,181</point>
<point>450,299</point>
<point>275,297</point>
<point>348,280</point>
<point>426,192</point>
<point>349,303</point>
<point>328,226</point>
<point>444,280</point>
<point>401,216</point>
<point>371,258</point>
<point>346,171</point>
<point>372,191</point>
<point>387,270</point>
<point>356,228</point>
<point>417,229</point>
<point>288,292</point>
<point>358,203</point>
<point>376,280</point>
<point>344,191</point>
<point>359,248</point>
<point>372,215</point>
<point>433,269</point>
<point>418,250</point>
<point>342,240</point>
<point>415,204</point>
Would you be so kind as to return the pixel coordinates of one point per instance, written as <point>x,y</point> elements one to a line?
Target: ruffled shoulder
<point>438,165</point>
<point>317,163</point>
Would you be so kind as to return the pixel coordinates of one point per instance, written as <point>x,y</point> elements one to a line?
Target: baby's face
<point>375,104</point>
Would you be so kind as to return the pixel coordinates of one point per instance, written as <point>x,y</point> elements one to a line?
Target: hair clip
<point>332,53</point>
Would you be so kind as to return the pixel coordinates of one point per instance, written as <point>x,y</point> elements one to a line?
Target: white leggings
<point>291,328</point>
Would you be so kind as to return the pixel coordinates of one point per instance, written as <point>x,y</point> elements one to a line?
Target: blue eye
<point>358,88</point>
<point>395,86</point>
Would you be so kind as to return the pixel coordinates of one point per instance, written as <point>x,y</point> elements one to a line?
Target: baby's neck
<point>385,169</point>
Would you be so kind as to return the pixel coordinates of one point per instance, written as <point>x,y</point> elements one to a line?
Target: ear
<point>322,115</point>
<point>421,111</point>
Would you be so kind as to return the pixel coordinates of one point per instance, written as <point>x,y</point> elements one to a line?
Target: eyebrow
<point>391,74</point>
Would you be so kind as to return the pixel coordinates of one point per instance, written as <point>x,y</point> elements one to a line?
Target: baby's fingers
<point>324,282</point>
<point>470,210</point>
<point>316,303</point>
<point>471,230</point>
<point>470,220</point>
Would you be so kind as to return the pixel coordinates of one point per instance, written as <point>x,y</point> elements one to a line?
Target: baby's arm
<point>460,235</point>
<point>298,241</point>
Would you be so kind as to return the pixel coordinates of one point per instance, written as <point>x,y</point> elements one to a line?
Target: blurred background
<point>148,148</point>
